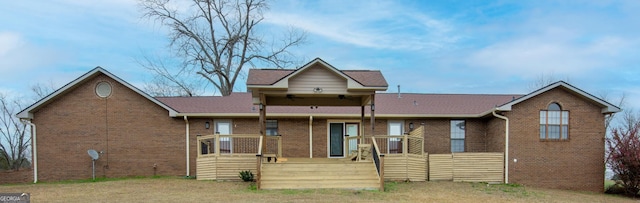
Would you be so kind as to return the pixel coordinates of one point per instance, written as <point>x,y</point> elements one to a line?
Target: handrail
<point>260,145</point>
<point>378,159</point>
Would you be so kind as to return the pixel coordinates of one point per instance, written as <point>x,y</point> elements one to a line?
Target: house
<point>552,137</point>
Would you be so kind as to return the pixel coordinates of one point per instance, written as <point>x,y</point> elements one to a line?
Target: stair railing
<point>378,159</point>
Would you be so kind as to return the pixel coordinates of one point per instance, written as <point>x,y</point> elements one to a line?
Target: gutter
<point>506,144</point>
<point>34,148</point>
<point>186,139</point>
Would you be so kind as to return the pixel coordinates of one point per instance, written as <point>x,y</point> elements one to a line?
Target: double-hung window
<point>272,127</point>
<point>457,135</point>
<point>554,123</point>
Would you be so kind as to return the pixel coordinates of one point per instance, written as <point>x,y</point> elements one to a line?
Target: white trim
<point>27,112</point>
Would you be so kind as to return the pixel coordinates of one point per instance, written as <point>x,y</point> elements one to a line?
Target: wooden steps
<point>319,173</point>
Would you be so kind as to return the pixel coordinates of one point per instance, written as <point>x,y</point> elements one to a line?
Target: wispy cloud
<point>379,25</point>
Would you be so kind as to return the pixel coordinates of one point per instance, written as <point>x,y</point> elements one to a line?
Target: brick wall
<point>576,164</point>
<point>475,135</point>
<point>132,132</point>
<point>495,135</point>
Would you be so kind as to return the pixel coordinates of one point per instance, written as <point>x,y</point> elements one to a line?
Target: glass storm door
<point>336,139</point>
<point>352,131</point>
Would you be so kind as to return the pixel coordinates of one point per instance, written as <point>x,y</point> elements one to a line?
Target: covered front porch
<point>366,160</point>
<point>343,149</point>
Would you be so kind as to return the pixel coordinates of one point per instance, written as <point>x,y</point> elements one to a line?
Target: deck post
<point>258,171</point>
<point>217,144</point>
<point>405,147</point>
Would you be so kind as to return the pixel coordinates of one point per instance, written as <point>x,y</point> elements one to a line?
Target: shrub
<point>246,176</point>
<point>624,157</point>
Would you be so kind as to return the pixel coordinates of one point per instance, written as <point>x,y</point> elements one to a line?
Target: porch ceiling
<point>318,100</point>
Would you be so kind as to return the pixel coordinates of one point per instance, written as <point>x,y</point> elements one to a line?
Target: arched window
<point>554,123</point>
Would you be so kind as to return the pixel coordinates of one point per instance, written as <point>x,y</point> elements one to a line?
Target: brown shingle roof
<point>266,76</point>
<point>386,103</point>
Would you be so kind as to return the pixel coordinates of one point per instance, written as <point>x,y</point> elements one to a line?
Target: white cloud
<point>18,56</point>
<point>380,25</point>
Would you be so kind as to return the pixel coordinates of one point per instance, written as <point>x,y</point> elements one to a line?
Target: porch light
<point>207,125</point>
<point>411,126</point>
<point>261,106</point>
<point>373,107</point>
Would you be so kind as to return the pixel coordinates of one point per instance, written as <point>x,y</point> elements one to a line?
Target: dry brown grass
<point>189,190</point>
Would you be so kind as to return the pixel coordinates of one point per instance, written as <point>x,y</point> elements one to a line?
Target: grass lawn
<point>172,189</point>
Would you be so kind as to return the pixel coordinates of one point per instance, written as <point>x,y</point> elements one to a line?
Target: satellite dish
<point>93,154</point>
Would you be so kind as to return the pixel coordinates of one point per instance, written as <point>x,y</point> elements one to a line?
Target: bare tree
<point>542,81</point>
<point>41,90</point>
<point>165,83</point>
<point>216,38</point>
<point>15,141</point>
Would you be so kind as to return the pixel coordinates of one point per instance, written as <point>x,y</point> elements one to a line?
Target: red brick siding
<point>437,138</point>
<point>475,135</point>
<point>140,134</point>
<point>495,135</point>
<point>576,164</point>
<point>319,138</point>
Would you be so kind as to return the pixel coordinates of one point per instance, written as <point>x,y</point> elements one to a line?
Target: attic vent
<point>103,89</point>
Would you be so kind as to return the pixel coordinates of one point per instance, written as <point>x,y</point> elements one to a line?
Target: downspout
<point>310,137</point>
<point>186,140</point>
<point>34,148</point>
<point>506,144</point>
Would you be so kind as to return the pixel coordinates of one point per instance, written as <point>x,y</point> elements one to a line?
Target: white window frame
<point>390,127</point>
<point>453,136</point>
<point>216,125</point>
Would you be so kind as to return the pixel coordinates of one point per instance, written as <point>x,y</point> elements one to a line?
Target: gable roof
<point>387,105</point>
<point>27,113</point>
<point>606,106</point>
<point>268,77</point>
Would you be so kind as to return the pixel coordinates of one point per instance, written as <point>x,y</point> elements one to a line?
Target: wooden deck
<point>305,173</point>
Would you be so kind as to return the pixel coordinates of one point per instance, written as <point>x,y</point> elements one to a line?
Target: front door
<point>336,139</point>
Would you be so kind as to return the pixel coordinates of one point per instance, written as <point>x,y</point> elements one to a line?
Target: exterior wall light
<point>411,126</point>
<point>207,125</point>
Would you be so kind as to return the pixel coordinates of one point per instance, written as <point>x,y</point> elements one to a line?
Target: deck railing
<point>392,144</point>
<point>237,144</point>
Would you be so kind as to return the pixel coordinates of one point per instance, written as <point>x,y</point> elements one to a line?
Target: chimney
<point>399,96</point>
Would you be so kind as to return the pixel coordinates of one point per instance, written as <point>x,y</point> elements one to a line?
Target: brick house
<point>552,137</point>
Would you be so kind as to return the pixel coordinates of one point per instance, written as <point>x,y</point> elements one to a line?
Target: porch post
<point>373,114</point>
<point>263,120</point>
<point>361,134</point>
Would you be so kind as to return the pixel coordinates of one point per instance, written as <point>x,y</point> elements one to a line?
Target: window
<point>457,135</point>
<point>272,127</point>
<point>554,123</point>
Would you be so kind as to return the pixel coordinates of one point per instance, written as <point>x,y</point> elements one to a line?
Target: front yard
<point>172,189</point>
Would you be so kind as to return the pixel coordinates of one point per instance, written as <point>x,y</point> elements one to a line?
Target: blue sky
<point>491,47</point>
